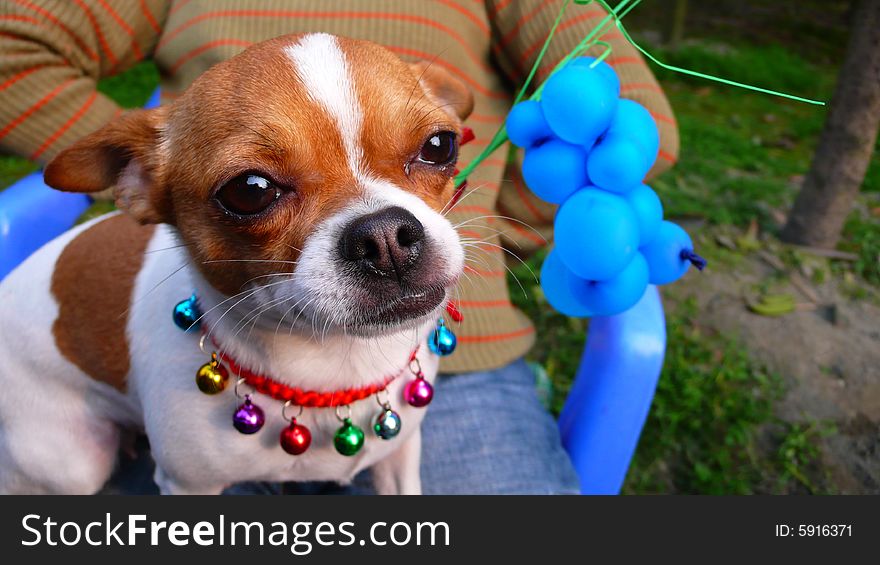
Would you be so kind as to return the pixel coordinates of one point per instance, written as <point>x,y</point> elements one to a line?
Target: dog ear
<point>123,155</point>
<point>445,88</point>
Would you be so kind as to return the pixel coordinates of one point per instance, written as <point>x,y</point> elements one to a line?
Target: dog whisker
<point>249,292</point>
<point>485,263</point>
<point>259,309</point>
<point>157,285</point>
<point>453,203</point>
<point>150,252</point>
<point>508,218</point>
<point>512,254</point>
<point>494,230</point>
<point>486,239</point>
<point>249,261</point>
<point>302,311</point>
<point>289,275</point>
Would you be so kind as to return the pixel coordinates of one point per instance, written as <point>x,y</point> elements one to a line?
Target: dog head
<point>310,172</point>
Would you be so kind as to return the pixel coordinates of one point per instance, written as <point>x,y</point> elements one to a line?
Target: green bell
<point>349,438</point>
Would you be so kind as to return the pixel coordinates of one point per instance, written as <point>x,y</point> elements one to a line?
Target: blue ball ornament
<point>633,119</point>
<point>442,340</point>
<point>554,170</point>
<point>666,260</point>
<point>562,288</point>
<point>619,293</point>
<point>526,125</point>
<point>648,209</point>
<point>617,163</point>
<point>597,234</point>
<point>602,68</point>
<point>186,314</point>
<point>578,104</point>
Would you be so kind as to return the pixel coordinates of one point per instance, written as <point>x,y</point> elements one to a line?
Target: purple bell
<point>248,417</point>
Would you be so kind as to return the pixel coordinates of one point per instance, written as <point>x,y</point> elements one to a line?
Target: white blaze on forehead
<point>321,66</point>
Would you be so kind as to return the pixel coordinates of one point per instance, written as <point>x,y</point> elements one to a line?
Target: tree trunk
<point>847,141</point>
<point>674,31</point>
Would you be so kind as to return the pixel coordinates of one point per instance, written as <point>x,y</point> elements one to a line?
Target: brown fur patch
<point>93,281</point>
<point>253,114</point>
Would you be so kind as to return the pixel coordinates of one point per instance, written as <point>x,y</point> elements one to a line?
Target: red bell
<point>295,438</point>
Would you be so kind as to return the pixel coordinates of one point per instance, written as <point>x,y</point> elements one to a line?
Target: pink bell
<point>418,392</point>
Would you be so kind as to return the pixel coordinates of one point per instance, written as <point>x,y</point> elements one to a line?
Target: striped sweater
<point>53,52</point>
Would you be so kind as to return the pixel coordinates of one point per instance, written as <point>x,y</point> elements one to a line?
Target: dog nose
<point>385,243</point>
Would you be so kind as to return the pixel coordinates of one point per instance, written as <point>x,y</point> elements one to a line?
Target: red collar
<point>308,398</point>
<point>313,399</point>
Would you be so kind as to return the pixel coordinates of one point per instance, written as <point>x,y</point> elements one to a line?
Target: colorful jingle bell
<point>387,423</point>
<point>348,439</point>
<point>248,418</point>
<point>442,341</point>
<point>186,313</point>
<point>295,439</point>
<point>418,392</point>
<point>212,377</point>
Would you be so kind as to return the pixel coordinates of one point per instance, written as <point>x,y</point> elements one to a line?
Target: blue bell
<point>186,314</point>
<point>442,341</point>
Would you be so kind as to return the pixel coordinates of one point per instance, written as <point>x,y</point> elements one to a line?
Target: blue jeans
<point>485,433</point>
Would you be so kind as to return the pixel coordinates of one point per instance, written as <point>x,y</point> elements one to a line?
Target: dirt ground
<point>827,351</point>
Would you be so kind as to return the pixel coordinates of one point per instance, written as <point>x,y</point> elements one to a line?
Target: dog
<point>298,189</point>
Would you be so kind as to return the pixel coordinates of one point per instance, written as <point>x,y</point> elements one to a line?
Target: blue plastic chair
<point>603,414</point>
<point>31,214</point>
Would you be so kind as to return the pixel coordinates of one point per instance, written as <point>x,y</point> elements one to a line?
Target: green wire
<point>615,15</point>
<point>703,75</point>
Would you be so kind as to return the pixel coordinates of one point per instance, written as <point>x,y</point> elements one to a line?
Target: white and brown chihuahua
<point>298,188</point>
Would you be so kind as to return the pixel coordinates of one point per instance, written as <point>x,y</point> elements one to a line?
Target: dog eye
<point>248,194</point>
<point>439,149</point>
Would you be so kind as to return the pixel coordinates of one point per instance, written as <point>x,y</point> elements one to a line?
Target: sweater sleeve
<point>52,54</point>
<point>519,29</point>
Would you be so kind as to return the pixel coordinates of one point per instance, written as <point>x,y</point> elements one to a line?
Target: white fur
<point>321,66</point>
<point>193,441</point>
<point>50,438</point>
<point>60,428</point>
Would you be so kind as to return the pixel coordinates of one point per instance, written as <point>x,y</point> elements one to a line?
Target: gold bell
<point>212,377</point>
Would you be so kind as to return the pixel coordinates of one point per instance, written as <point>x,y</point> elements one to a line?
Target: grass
<point>742,150</point>
<point>712,428</point>
<point>702,432</point>
<point>745,154</point>
<point>861,235</point>
<point>13,168</point>
<point>132,88</point>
